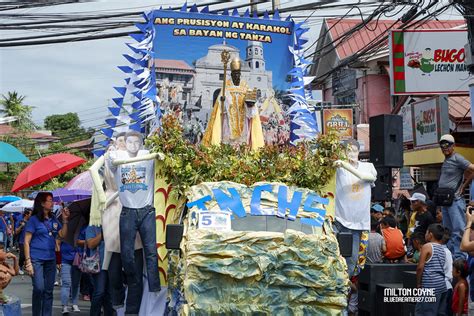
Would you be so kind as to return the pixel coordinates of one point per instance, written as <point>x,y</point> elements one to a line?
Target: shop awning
<point>431,156</point>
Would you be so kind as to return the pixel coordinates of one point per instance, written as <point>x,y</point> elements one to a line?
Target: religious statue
<point>235,119</point>
<point>7,272</point>
<point>164,90</point>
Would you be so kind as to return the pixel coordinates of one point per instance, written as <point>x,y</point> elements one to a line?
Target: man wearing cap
<point>377,211</point>
<point>423,218</point>
<point>455,168</point>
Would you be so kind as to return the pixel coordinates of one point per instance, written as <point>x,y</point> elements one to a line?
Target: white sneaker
<point>20,272</point>
<point>56,283</point>
<point>65,309</point>
<point>75,308</point>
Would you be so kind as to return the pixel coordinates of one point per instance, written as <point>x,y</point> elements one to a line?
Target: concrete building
<point>365,84</point>
<point>175,80</point>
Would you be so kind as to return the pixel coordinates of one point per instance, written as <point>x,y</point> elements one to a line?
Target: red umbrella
<point>44,169</point>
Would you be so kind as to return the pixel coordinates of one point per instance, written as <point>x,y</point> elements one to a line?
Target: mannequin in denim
<point>107,213</point>
<point>134,175</point>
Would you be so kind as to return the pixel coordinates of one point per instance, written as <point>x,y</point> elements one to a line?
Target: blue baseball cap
<point>377,208</point>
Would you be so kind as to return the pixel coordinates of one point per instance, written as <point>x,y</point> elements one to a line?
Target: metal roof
<point>364,36</point>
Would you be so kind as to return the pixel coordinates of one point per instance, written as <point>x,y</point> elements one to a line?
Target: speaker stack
<point>386,152</point>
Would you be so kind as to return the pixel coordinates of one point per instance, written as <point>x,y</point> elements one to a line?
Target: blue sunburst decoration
<point>137,106</point>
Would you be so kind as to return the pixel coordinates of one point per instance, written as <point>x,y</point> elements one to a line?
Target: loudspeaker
<point>378,274</point>
<point>174,234</point>
<point>386,140</point>
<point>383,185</point>
<point>345,244</point>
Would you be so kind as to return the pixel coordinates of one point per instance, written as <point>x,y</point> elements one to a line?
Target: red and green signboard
<point>428,62</point>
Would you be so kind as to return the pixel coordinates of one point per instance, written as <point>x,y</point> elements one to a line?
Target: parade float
<point>250,225</point>
<point>262,245</point>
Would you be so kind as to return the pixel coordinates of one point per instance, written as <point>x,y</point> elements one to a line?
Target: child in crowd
<point>388,211</point>
<point>376,246</point>
<point>417,241</point>
<point>7,272</point>
<point>460,299</point>
<point>448,271</point>
<point>395,245</point>
<point>439,216</point>
<point>430,271</point>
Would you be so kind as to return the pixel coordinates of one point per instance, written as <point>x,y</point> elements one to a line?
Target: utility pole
<point>253,7</point>
<point>469,48</point>
<point>275,5</point>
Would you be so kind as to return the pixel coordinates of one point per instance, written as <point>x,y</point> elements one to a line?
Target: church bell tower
<point>254,57</point>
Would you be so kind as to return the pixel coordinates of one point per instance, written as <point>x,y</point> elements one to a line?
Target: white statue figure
<point>354,180</point>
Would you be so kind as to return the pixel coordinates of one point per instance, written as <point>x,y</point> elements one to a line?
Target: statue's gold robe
<point>241,124</point>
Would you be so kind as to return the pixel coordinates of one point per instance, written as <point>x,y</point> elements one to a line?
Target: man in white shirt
<point>354,180</point>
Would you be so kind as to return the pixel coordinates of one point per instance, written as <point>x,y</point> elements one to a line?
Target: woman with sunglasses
<point>42,230</point>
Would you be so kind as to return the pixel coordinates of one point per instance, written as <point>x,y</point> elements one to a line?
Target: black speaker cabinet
<point>383,185</point>
<point>386,140</point>
<point>385,308</point>
<point>378,274</point>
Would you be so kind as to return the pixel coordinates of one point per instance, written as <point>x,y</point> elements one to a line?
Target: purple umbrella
<point>67,195</point>
<point>82,181</point>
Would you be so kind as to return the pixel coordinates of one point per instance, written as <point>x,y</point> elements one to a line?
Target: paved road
<point>21,287</point>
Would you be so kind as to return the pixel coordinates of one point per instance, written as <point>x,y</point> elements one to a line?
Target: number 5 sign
<point>214,220</point>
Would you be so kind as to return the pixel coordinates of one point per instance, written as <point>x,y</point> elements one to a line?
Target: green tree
<point>67,127</point>
<point>12,105</point>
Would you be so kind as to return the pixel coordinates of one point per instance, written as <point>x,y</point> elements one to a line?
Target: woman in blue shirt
<point>70,278</point>
<point>41,232</point>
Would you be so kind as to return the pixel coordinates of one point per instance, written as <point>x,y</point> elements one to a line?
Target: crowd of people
<point>434,232</point>
<point>418,236</point>
<point>37,236</point>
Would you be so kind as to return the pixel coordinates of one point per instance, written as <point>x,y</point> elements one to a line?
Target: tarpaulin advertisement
<point>189,68</point>
<point>430,120</point>
<point>428,62</point>
<point>340,120</point>
<point>187,57</point>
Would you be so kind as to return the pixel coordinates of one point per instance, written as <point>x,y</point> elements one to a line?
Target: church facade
<point>209,74</point>
<point>203,83</point>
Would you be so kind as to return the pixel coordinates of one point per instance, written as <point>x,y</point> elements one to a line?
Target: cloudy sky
<point>79,77</point>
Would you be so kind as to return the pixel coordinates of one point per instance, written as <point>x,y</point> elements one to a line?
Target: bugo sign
<point>428,62</point>
<point>430,120</point>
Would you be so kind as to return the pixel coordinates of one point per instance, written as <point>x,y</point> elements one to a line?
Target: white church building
<point>209,74</point>
<point>200,87</point>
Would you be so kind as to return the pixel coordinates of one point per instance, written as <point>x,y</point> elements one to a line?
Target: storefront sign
<point>406,181</point>
<point>405,112</point>
<point>428,62</point>
<point>343,81</point>
<point>430,120</point>
<point>471,94</point>
<point>340,120</point>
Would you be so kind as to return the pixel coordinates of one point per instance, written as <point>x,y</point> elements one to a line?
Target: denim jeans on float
<point>117,280</point>
<point>43,286</point>
<point>70,278</point>
<point>454,218</point>
<point>143,221</point>
<point>101,295</point>
<point>352,260</point>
